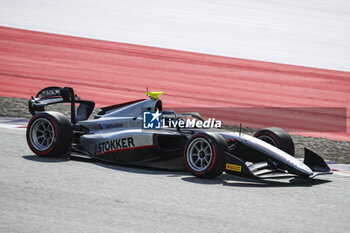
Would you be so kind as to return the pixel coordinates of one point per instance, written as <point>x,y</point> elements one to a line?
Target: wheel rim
<point>268,139</point>
<point>199,154</point>
<point>42,134</point>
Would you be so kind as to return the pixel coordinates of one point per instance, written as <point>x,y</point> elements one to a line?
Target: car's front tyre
<point>204,155</point>
<point>278,138</point>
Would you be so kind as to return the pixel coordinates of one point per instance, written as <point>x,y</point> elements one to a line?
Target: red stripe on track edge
<point>110,73</point>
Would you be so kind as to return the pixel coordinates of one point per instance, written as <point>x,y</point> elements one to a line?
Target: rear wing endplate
<point>54,95</point>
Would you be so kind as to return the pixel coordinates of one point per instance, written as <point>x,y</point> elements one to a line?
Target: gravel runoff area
<point>337,151</point>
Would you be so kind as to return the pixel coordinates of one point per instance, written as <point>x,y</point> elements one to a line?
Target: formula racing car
<point>118,134</point>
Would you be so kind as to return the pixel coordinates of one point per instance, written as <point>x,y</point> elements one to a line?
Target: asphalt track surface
<point>60,195</point>
<point>110,73</point>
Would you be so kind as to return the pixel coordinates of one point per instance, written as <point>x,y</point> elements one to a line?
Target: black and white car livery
<point>116,135</point>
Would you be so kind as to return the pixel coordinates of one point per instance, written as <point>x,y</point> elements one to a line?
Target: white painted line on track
<point>13,123</point>
<point>308,33</point>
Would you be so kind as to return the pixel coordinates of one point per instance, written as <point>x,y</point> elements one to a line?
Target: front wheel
<point>204,155</point>
<point>278,138</point>
<point>49,134</point>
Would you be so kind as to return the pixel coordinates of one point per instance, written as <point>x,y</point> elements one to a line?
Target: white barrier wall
<point>309,33</point>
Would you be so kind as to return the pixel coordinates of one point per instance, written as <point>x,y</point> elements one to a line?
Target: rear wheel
<point>204,155</point>
<point>278,138</point>
<point>49,134</point>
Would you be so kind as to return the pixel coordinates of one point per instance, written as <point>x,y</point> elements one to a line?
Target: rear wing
<point>54,95</point>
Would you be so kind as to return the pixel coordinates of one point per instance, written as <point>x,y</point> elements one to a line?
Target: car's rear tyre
<point>278,138</point>
<point>49,134</point>
<point>204,155</point>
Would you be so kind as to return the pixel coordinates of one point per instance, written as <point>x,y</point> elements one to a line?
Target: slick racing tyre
<point>204,155</point>
<point>278,138</point>
<point>49,134</point>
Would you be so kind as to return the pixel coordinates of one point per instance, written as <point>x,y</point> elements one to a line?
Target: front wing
<point>270,169</point>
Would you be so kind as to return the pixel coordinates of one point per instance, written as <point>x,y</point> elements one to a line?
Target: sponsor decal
<point>112,145</point>
<point>233,167</point>
<point>50,92</point>
<point>157,120</point>
<point>110,126</point>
